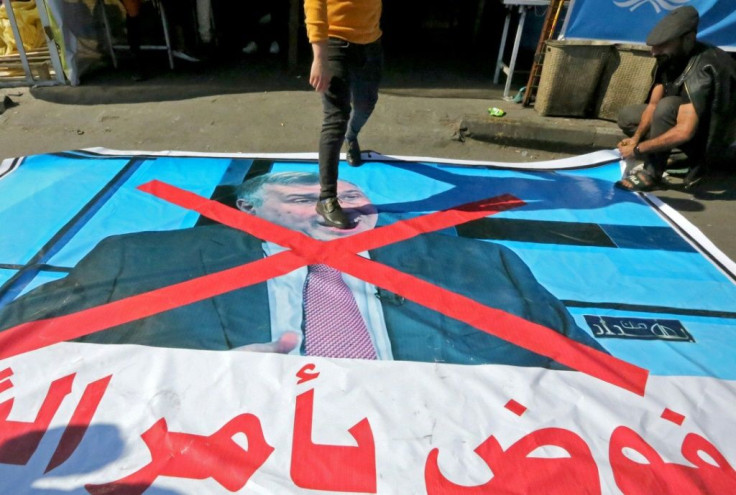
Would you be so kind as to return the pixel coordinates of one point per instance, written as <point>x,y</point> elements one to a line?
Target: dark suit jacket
<point>123,266</point>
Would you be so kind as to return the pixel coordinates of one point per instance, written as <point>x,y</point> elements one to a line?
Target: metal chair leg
<point>167,36</point>
<point>108,33</point>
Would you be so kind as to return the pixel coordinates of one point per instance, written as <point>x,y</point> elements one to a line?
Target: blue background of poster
<point>647,271</point>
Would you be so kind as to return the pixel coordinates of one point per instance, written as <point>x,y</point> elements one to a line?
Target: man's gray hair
<point>250,190</point>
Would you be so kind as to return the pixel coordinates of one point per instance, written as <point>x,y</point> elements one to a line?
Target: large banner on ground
<point>631,20</point>
<point>177,323</point>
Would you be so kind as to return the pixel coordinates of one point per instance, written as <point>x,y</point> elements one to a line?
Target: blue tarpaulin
<point>631,20</point>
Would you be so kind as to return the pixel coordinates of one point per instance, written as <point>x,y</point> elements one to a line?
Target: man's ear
<point>245,206</point>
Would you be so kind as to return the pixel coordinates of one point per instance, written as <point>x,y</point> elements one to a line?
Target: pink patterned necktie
<point>333,325</point>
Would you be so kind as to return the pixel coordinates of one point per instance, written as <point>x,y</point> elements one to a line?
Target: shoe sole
<point>692,183</point>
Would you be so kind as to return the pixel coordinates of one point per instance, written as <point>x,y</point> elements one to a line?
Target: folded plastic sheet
<point>29,25</point>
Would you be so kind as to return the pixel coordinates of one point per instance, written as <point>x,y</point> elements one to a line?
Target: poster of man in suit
<point>271,317</point>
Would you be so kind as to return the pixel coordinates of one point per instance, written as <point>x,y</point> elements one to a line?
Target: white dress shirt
<point>285,298</point>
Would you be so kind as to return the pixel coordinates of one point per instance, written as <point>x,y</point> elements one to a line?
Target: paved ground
<point>261,107</point>
<point>241,107</point>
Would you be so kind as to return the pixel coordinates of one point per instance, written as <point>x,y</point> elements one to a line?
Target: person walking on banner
<point>692,106</point>
<point>346,69</point>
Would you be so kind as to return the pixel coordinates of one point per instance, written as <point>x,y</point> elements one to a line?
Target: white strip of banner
<point>588,160</point>
<point>210,422</point>
<point>701,242</point>
<point>8,165</point>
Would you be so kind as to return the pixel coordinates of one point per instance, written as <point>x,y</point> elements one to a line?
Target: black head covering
<point>678,22</point>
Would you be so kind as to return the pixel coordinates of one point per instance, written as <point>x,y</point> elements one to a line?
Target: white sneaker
<point>250,48</point>
<point>274,49</point>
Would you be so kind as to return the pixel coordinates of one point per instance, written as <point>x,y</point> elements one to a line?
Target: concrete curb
<point>582,135</point>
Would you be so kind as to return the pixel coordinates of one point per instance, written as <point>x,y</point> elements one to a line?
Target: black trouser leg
<point>664,119</point>
<point>364,89</point>
<point>336,112</point>
<point>356,73</point>
<point>133,29</point>
<point>629,118</point>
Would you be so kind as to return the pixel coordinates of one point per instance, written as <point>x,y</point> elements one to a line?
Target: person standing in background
<point>134,32</point>
<point>266,27</point>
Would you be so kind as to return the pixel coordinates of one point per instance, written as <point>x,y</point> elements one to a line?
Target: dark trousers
<point>347,103</point>
<point>664,119</point>
<point>133,33</point>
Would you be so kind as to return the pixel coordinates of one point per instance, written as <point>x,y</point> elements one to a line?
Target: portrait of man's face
<point>292,206</point>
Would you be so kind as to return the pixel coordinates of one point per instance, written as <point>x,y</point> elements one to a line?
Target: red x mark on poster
<point>342,255</point>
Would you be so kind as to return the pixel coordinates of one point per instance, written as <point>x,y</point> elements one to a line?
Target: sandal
<point>694,176</point>
<point>639,181</point>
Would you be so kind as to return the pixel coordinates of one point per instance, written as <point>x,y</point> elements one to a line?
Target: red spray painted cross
<point>342,255</point>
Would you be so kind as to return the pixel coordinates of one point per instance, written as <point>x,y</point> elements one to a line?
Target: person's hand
<point>284,345</point>
<point>320,74</point>
<point>626,148</point>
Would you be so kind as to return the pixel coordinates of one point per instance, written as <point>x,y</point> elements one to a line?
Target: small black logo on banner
<point>637,328</point>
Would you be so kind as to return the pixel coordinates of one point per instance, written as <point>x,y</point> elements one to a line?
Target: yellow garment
<point>356,21</point>
<point>29,25</point>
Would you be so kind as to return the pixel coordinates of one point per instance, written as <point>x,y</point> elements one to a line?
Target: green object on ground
<point>496,112</point>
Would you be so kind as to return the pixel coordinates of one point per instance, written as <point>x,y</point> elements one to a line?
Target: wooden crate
<point>11,67</point>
